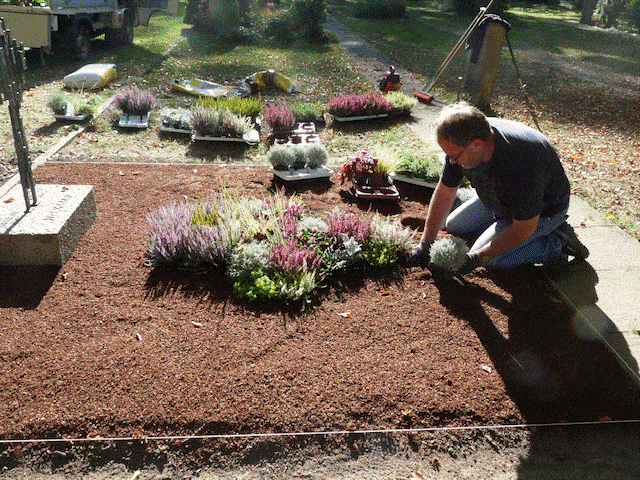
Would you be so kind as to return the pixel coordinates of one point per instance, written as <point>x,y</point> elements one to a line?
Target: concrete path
<point>604,289</point>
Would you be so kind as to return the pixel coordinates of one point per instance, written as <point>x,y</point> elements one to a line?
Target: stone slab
<point>48,233</point>
<point>619,295</point>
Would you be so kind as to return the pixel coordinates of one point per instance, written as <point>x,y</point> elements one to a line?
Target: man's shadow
<point>552,370</point>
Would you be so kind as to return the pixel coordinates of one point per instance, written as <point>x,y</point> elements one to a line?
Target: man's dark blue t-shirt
<point>523,178</point>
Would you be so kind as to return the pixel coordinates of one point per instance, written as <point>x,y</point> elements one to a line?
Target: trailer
<point>68,26</point>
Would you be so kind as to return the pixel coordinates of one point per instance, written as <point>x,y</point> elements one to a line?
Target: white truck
<point>69,25</point>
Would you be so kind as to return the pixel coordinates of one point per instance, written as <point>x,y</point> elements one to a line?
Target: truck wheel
<point>80,43</point>
<point>126,32</point>
<point>123,35</point>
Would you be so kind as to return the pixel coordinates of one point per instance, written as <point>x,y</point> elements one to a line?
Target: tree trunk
<point>588,7</point>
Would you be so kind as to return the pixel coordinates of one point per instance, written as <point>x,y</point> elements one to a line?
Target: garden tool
<point>390,80</point>
<point>423,95</point>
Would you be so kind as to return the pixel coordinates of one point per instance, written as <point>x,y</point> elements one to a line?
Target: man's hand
<point>419,255</point>
<point>472,262</point>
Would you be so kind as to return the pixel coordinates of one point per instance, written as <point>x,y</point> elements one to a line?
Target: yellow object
<point>270,78</point>
<point>203,88</point>
<point>95,75</point>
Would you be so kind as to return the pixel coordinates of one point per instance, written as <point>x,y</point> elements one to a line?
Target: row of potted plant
<point>272,248</point>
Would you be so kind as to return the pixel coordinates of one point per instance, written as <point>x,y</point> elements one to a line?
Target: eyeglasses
<point>455,160</point>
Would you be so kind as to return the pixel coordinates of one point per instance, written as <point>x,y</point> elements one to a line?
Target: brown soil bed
<point>105,346</point>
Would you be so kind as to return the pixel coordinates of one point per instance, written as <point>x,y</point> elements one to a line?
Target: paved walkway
<point>605,289</point>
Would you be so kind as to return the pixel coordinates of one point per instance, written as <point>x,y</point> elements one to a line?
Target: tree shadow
<point>25,286</point>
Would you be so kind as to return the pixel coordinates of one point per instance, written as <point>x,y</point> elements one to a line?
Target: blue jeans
<point>473,218</point>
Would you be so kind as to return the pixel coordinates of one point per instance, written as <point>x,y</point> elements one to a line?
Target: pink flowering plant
<point>366,104</point>
<point>279,117</point>
<point>271,249</point>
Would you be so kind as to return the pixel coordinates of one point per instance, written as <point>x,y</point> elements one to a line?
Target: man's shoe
<point>570,244</point>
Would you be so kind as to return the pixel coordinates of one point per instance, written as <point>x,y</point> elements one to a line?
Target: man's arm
<point>439,208</point>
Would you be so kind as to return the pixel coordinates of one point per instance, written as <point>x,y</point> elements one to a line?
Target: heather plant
<point>134,101</point>
<point>279,117</point>
<point>344,223</point>
<point>402,103</point>
<point>308,111</point>
<point>270,247</point>
<point>281,157</point>
<point>365,104</point>
<point>317,155</point>
<point>213,122</point>
<point>242,106</point>
<point>391,231</point>
<point>175,241</point>
<point>290,256</point>
<point>448,253</point>
<point>205,214</point>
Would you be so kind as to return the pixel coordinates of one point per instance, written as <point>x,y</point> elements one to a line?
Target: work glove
<point>419,255</point>
<point>472,262</point>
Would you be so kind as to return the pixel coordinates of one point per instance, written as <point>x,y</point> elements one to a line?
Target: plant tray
<point>296,139</point>
<point>134,121</point>
<point>175,130</point>
<point>302,174</point>
<point>412,180</point>
<point>251,138</point>
<point>305,128</point>
<point>385,193</point>
<point>70,118</point>
<point>356,118</point>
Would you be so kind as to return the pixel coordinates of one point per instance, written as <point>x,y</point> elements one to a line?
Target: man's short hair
<point>462,123</point>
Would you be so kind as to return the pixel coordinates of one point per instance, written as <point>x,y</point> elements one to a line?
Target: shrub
<point>448,253</point>
<point>308,17</point>
<point>247,258</point>
<point>279,117</point>
<point>280,157</point>
<point>372,103</point>
<point>357,166</point>
<point>134,101</point>
<point>299,156</point>
<point>317,155</point>
<point>57,102</point>
<point>382,9</point>
<point>633,13</point>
